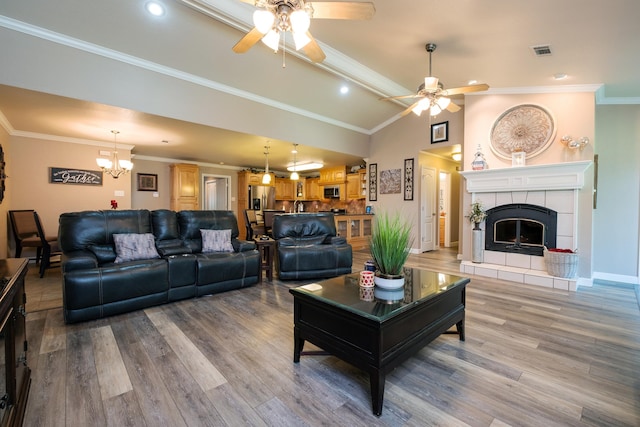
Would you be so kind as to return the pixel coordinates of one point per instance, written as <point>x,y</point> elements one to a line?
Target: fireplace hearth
<point>520,228</point>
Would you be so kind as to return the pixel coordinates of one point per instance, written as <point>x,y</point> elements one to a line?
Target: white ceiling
<point>189,49</point>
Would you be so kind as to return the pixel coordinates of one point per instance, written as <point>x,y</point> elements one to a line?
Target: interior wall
<point>617,216</point>
<point>403,139</point>
<point>31,159</point>
<point>574,114</point>
<point>151,200</point>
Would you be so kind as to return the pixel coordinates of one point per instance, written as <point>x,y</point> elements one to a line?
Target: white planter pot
<point>385,283</point>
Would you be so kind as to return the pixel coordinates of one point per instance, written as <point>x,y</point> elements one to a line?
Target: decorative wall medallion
<point>529,128</point>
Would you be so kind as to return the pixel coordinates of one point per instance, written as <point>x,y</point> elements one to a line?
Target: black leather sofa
<point>307,247</point>
<point>96,284</point>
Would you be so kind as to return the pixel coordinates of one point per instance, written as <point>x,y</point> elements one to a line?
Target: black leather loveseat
<point>123,260</point>
<point>307,247</point>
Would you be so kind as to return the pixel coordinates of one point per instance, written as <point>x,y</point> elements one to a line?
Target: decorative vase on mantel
<point>477,254</point>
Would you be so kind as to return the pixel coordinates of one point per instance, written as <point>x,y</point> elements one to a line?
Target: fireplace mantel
<point>557,176</point>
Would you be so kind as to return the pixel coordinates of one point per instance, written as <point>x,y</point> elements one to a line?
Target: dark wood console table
<point>377,336</point>
<point>15,380</point>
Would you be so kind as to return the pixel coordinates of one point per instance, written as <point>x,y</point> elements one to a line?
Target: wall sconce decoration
<point>574,144</point>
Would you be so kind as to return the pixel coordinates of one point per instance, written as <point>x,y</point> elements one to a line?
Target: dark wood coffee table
<point>377,336</point>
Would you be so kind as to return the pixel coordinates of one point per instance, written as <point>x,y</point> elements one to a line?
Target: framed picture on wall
<point>408,179</point>
<point>147,182</point>
<point>439,132</point>
<point>373,182</point>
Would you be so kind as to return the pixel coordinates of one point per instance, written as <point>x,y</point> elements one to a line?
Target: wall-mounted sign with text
<point>74,176</point>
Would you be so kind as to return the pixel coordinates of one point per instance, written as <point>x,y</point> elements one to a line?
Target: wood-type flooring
<point>533,356</point>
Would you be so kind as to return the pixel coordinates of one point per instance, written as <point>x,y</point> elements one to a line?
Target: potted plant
<point>389,244</point>
<point>477,215</point>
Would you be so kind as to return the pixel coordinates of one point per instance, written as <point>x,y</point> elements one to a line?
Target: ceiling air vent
<point>542,50</point>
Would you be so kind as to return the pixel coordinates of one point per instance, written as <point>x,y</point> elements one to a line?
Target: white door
<point>216,192</point>
<point>428,209</point>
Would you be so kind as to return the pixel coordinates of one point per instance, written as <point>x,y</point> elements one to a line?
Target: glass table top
<point>344,292</point>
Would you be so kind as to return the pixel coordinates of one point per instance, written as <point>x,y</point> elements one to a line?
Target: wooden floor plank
<point>111,372</point>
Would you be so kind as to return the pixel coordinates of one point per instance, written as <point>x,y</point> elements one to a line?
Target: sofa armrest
<point>243,245</point>
<point>337,240</point>
<point>79,260</point>
<point>172,247</point>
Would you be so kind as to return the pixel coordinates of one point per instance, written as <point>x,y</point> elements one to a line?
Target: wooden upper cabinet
<point>285,189</point>
<point>312,189</point>
<point>334,175</point>
<point>185,187</point>
<point>356,185</point>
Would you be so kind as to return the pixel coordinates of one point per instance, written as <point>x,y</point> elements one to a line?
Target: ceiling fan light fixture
<point>263,20</point>
<point>443,102</point>
<point>430,84</point>
<point>435,110</point>
<point>300,40</point>
<point>300,21</point>
<point>272,39</point>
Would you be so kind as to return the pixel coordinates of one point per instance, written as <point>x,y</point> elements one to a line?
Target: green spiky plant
<point>390,243</point>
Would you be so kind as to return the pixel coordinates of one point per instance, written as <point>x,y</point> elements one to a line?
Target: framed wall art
<point>147,182</point>
<point>440,132</point>
<point>390,181</point>
<point>408,179</point>
<point>373,182</point>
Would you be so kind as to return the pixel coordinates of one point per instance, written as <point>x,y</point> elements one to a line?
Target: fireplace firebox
<point>520,228</point>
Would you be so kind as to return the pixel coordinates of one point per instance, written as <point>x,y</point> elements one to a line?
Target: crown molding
<point>71,140</point>
<point>6,125</point>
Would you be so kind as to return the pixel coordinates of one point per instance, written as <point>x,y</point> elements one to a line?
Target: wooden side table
<point>267,249</point>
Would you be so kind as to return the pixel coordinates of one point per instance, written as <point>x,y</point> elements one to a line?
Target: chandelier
<point>114,167</point>
<point>266,178</point>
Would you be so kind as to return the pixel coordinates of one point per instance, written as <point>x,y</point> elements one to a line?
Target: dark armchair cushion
<point>303,225</point>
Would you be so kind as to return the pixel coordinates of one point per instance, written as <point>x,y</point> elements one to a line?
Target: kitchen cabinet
<point>285,189</point>
<point>355,228</point>
<point>185,187</point>
<point>356,185</point>
<point>333,175</point>
<point>312,189</point>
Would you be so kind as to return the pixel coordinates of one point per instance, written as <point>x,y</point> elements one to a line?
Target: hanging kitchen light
<point>266,178</point>
<point>294,175</point>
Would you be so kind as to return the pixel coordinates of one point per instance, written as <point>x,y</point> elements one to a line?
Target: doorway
<point>444,212</point>
<point>217,192</point>
<point>428,207</point>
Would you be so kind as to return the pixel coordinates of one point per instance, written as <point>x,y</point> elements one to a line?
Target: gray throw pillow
<point>216,241</point>
<point>131,247</point>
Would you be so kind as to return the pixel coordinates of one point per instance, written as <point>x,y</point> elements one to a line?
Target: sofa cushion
<point>216,241</point>
<point>132,246</point>
<point>302,241</point>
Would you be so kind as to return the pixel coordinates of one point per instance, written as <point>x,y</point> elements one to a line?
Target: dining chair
<point>28,233</point>
<point>254,228</point>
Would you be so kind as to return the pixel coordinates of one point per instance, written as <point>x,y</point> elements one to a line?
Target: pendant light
<point>114,167</point>
<point>294,175</point>
<point>266,178</point>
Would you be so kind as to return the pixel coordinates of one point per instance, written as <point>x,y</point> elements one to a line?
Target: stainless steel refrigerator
<point>261,197</point>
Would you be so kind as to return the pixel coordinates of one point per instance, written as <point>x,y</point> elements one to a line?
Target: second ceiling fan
<point>275,17</point>
<point>433,96</point>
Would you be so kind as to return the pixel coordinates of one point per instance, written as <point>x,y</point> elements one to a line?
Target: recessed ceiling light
<point>472,82</point>
<point>154,8</point>
<point>344,89</point>
<point>560,76</point>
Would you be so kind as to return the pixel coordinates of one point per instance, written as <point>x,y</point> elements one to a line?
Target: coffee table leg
<point>298,344</point>
<point>460,328</point>
<point>377,378</point>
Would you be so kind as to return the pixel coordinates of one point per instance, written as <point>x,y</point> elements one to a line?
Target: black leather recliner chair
<point>308,248</point>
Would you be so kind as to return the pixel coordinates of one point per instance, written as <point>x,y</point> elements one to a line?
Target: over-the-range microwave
<point>332,192</point>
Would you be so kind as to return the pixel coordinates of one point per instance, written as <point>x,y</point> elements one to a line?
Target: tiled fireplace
<point>551,188</point>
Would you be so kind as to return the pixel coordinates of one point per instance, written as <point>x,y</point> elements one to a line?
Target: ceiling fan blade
<point>409,109</point>
<point>342,10</point>
<point>453,108</point>
<point>466,89</point>
<point>247,42</point>
<point>313,50</point>
<point>388,98</point>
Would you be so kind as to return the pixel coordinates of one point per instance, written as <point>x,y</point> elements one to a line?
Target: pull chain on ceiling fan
<point>276,17</point>
<point>433,96</point>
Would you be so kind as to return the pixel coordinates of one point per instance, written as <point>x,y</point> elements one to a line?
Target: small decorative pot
<point>387,281</point>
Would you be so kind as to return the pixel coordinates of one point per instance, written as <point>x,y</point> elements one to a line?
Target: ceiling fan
<point>274,17</point>
<point>433,96</point>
